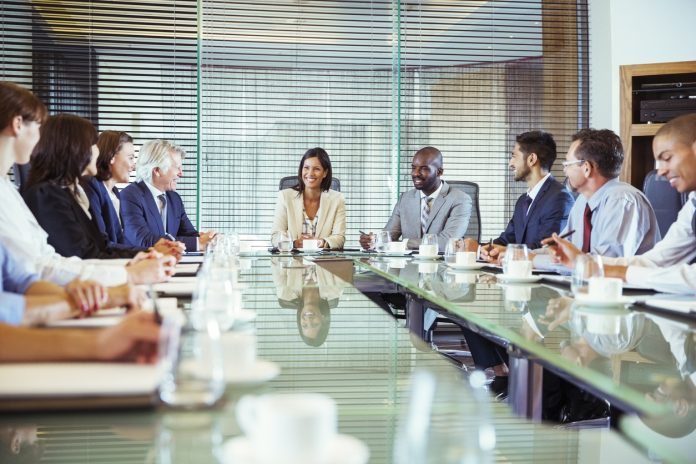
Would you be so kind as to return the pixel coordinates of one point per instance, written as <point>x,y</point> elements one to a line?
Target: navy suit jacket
<point>105,215</point>
<point>548,214</point>
<point>142,223</point>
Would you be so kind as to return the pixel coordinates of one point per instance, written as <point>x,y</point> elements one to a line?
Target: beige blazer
<point>331,225</point>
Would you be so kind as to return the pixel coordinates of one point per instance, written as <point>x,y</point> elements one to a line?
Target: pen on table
<point>566,235</point>
<point>155,306</point>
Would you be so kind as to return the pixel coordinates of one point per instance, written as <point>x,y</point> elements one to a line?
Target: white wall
<point>634,32</point>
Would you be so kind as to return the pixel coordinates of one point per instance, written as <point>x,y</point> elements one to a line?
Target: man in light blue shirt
<point>610,217</point>
<point>15,282</point>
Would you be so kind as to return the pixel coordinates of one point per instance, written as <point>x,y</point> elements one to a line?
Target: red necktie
<point>586,229</point>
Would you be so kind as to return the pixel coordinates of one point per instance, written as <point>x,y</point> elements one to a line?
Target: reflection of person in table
<point>19,443</point>
<point>310,289</point>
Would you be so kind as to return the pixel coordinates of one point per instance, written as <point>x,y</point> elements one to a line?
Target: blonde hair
<point>155,154</point>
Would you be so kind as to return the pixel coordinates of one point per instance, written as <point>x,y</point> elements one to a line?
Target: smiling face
<point>123,163</point>
<point>676,161</point>
<point>518,164</point>
<point>313,173</point>
<point>425,172</point>
<point>166,179</point>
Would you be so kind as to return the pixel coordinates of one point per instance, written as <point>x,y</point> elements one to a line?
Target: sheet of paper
<point>176,288</point>
<point>188,268</point>
<point>112,316</point>
<point>56,380</point>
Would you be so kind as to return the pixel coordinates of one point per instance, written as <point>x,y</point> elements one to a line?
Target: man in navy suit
<point>541,211</point>
<point>151,209</point>
<point>544,208</point>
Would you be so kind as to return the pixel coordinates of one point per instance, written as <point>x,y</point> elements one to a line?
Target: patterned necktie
<point>425,212</point>
<point>163,213</point>
<point>587,229</point>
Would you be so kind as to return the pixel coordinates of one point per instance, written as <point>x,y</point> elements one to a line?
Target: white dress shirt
<point>534,191</point>
<point>22,235</point>
<point>665,267</point>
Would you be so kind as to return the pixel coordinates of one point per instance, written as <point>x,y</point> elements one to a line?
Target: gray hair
<point>155,154</point>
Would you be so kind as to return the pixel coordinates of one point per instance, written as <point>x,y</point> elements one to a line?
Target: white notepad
<point>112,316</point>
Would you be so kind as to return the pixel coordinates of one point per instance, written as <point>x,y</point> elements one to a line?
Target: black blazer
<point>69,229</point>
<point>548,214</point>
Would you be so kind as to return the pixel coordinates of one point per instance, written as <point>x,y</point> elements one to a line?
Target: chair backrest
<point>665,200</point>
<point>291,181</point>
<point>471,189</point>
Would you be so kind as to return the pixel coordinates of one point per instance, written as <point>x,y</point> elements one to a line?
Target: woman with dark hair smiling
<point>67,150</point>
<point>115,162</point>
<point>310,210</point>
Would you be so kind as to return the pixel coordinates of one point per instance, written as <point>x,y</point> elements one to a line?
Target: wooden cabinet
<point>636,136</point>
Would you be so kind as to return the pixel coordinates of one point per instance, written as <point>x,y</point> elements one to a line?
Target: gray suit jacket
<point>449,216</point>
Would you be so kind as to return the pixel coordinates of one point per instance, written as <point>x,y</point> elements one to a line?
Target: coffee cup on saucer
<point>519,269</point>
<point>608,289</point>
<point>293,428</point>
<point>465,258</point>
<point>397,247</point>
<point>310,244</point>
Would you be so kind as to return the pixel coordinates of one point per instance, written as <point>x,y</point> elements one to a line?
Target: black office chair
<point>664,198</point>
<point>291,181</point>
<point>472,189</point>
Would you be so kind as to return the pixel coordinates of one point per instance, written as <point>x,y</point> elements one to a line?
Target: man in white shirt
<point>21,114</point>
<point>667,266</point>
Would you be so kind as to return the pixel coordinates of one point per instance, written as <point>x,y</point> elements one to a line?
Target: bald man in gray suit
<point>432,207</point>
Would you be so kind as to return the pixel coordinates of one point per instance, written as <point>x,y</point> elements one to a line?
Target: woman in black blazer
<point>66,150</point>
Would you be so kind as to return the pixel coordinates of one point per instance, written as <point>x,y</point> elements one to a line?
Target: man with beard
<point>432,207</point>
<point>544,208</point>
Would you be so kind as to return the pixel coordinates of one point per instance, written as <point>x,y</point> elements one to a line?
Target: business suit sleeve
<point>186,233</point>
<point>508,235</point>
<point>458,219</point>
<point>135,226</point>
<point>554,217</point>
<point>58,214</point>
<point>394,222</point>
<point>280,218</point>
<point>338,231</point>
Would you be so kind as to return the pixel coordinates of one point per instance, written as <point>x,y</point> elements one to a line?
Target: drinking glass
<point>429,239</point>
<point>382,240</point>
<point>284,242</point>
<point>216,295</point>
<point>453,246</point>
<point>193,365</point>
<point>516,261</point>
<point>586,267</point>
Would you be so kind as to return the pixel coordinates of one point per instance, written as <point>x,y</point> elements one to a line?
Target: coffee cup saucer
<point>395,252</point>
<point>465,267</point>
<point>343,449</point>
<point>308,250</point>
<point>259,372</point>
<point>427,257</point>
<point>508,279</point>
<point>585,299</point>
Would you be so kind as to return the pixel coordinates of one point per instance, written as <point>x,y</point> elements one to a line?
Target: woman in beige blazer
<point>310,210</point>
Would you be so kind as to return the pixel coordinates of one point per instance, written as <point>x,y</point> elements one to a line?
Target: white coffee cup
<point>396,246</point>
<point>293,428</point>
<point>519,269</point>
<point>239,350</point>
<point>465,258</point>
<point>310,244</point>
<point>427,250</point>
<point>605,288</point>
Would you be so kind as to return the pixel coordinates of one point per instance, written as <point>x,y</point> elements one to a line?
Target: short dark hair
<point>109,143</point>
<point>320,153</point>
<point>64,150</point>
<point>682,129</point>
<point>18,101</point>
<point>541,143</point>
<point>603,148</point>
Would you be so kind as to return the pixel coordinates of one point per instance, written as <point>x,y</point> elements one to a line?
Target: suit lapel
<point>323,208</point>
<point>152,207</point>
<point>436,206</point>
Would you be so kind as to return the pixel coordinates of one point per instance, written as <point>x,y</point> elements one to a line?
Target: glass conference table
<point>348,348</point>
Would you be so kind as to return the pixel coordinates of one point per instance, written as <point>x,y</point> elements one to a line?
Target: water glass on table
<point>587,267</point>
<point>284,242</point>
<point>516,261</point>
<point>382,239</point>
<point>428,246</point>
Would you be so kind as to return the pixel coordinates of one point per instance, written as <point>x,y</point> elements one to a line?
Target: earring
<point>112,160</point>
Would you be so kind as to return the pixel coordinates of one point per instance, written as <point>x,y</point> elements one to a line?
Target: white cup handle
<point>246,414</point>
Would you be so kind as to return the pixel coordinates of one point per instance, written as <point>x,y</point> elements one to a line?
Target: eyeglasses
<point>565,164</point>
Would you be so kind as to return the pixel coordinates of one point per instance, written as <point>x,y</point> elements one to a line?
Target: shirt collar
<point>433,195</point>
<point>534,191</point>
<point>153,190</point>
<point>597,197</point>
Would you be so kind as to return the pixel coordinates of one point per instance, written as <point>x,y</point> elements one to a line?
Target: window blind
<point>246,87</point>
